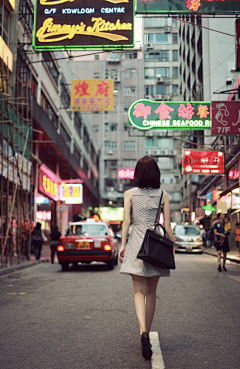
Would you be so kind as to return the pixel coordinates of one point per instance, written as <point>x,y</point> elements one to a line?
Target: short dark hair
<point>237,224</point>
<point>147,174</point>
<point>226,216</point>
<point>218,215</point>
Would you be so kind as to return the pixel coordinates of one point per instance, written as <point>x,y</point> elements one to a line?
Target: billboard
<point>92,95</point>
<point>48,183</point>
<point>188,6</point>
<point>145,114</point>
<point>77,24</point>
<point>71,193</point>
<point>126,173</point>
<point>203,162</point>
<point>111,214</point>
<point>226,118</point>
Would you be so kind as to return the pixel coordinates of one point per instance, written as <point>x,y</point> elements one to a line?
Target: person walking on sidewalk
<point>144,201</point>
<point>37,240</point>
<point>55,235</point>
<point>219,233</point>
<point>237,233</point>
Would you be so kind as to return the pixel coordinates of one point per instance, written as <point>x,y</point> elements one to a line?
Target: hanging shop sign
<point>111,214</point>
<point>238,44</point>
<point>188,6</point>
<point>203,162</point>
<point>71,193</point>
<point>145,114</point>
<point>235,199</point>
<point>76,24</point>
<point>225,117</point>
<point>48,183</point>
<point>6,55</point>
<point>92,95</point>
<point>126,173</point>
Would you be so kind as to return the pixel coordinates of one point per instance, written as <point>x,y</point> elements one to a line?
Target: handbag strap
<point>159,209</point>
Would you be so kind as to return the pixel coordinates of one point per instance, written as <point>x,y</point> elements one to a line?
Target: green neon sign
<point>179,115</point>
<point>81,24</point>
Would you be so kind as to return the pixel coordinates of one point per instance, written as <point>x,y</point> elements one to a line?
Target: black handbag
<point>157,249</point>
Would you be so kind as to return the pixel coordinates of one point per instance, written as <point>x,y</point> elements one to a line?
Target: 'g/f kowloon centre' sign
<point>76,24</point>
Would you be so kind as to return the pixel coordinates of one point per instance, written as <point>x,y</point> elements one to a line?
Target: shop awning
<point>229,189</point>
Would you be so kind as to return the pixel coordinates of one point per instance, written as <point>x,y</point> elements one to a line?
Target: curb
<point>228,258</point>
<point>15,268</point>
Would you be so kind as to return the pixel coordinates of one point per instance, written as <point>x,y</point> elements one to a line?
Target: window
<point>106,127</point>
<point>47,108</point>
<point>126,126</point>
<point>165,163</point>
<point>149,142</point>
<point>129,145</point>
<point>113,164</point>
<point>64,94</point>
<point>131,55</point>
<point>148,22</point>
<point>65,136</point>
<point>96,128</point>
<point>96,57</point>
<point>174,22</point>
<point>175,72</point>
<point>175,55</point>
<point>148,38</point>
<point>129,91</point>
<point>148,56</point>
<point>161,89</point>
<point>130,73</point>
<point>114,74</point>
<point>114,127</point>
<point>78,123</point>
<point>26,13</point>
<point>161,38</point>
<point>160,22</point>
<point>149,73</point>
<point>176,196</point>
<point>48,59</point>
<point>86,139</point>
<point>4,23</point>
<point>76,153</point>
<point>174,38</point>
<point>149,90</point>
<point>175,90</point>
<point>162,55</point>
<point>110,146</point>
<point>96,75</point>
<point>163,143</point>
<point>162,72</point>
<point>129,163</point>
<point>106,73</point>
<point>125,108</point>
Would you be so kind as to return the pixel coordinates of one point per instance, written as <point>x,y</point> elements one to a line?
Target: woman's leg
<point>139,284</point>
<point>150,300</point>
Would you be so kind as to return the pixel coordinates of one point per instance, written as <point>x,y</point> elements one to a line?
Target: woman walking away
<point>55,235</point>
<point>37,240</point>
<point>144,201</point>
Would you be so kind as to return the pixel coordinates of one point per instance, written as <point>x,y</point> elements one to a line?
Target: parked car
<point>88,241</point>
<point>188,238</point>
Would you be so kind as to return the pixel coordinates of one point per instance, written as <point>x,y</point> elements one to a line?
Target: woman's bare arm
<point>126,223</point>
<point>166,215</point>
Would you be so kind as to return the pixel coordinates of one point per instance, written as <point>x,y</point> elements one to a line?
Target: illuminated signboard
<point>238,44</point>
<point>187,6</point>
<point>48,183</point>
<point>76,24</point>
<point>145,114</point>
<point>92,95</point>
<point>111,214</point>
<point>71,193</point>
<point>126,173</point>
<point>203,162</point>
<point>225,118</point>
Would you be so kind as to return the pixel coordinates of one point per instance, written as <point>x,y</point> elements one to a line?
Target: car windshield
<point>181,230</point>
<point>91,229</point>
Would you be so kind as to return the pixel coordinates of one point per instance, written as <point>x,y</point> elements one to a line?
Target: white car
<point>188,239</point>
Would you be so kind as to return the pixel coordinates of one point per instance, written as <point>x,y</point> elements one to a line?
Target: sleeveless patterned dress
<point>144,209</point>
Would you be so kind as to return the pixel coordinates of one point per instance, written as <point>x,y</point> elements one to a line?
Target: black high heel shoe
<point>146,346</point>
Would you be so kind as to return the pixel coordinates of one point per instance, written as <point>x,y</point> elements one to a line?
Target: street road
<point>85,318</point>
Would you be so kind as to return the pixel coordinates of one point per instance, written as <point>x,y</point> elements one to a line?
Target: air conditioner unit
<point>159,79</point>
<point>106,120</point>
<point>149,97</point>
<point>167,29</point>
<point>158,97</point>
<point>149,46</point>
<point>163,152</point>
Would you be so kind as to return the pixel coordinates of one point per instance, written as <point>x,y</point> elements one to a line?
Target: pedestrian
<point>55,235</point>
<point>219,233</point>
<point>26,230</point>
<point>37,238</point>
<point>143,201</point>
<point>211,237</point>
<point>237,233</point>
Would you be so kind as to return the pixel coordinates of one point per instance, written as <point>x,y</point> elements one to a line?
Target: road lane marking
<point>157,358</point>
<point>236,278</point>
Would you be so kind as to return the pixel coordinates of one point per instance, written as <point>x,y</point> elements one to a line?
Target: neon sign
<point>187,6</point>
<point>145,114</point>
<point>71,193</point>
<point>203,162</point>
<point>59,25</point>
<point>48,183</point>
<point>126,173</point>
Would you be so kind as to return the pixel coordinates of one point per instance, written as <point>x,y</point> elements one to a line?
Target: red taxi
<point>86,242</point>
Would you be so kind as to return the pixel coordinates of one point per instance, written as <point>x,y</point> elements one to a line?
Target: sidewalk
<point>45,257</point>
<point>231,255</point>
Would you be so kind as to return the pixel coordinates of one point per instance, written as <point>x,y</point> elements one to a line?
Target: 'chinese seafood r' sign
<point>145,114</point>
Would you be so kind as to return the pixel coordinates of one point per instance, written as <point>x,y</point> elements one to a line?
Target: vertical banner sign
<point>76,24</point>
<point>225,117</point>
<point>92,95</point>
<point>237,44</point>
<point>203,162</point>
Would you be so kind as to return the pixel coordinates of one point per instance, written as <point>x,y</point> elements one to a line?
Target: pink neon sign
<point>126,173</point>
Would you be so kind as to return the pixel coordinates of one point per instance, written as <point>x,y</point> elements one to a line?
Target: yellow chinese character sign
<point>92,95</point>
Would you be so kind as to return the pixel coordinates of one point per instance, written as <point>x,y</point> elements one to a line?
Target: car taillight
<point>60,248</point>
<point>107,247</point>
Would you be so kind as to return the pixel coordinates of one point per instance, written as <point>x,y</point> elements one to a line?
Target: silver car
<point>188,238</point>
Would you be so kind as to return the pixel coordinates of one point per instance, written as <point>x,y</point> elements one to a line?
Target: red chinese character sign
<point>48,183</point>
<point>203,162</point>
<point>92,95</point>
<point>226,117</point>
<point>145,114</point>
